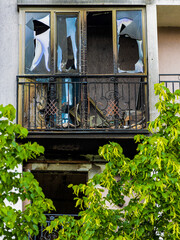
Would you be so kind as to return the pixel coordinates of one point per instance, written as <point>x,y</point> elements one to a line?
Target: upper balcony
<point>83,104</point>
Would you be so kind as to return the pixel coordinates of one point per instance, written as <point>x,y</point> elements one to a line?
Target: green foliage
<point>151,181</point>
<point>15,186</point>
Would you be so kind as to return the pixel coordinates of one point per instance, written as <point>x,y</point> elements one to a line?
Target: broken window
<point>97,42</point>
<point>129,42</point>
<point>37,43</point>
<point>67,43</point>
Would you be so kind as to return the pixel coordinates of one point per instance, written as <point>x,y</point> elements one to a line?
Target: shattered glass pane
<point>129,41</point>
<point>37,43</point>
<point>67,43</point>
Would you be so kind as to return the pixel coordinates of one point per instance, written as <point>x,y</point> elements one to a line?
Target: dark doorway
<point>55,186</point>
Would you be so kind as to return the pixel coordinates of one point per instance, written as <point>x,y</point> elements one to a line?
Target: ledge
<point>128,134</point>
<point>80,2</point>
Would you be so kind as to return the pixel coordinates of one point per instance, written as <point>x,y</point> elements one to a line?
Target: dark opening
<point>55,186</point>
<point>128,54</point>
<point>99,43</point>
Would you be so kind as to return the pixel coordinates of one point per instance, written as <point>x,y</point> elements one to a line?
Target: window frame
<point>82,38</point>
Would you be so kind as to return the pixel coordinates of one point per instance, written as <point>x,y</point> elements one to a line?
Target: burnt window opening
<point>99,43</point>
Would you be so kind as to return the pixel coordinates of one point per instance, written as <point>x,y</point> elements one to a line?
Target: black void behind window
<point>99,43</point>
<point>55,186</point>
<point>129,41</point>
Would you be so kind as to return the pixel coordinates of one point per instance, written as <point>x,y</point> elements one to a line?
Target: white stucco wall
<point>8,51</point>
<point>9,56</point>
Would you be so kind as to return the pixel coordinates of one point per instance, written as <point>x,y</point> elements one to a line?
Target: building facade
<point>80,74</point>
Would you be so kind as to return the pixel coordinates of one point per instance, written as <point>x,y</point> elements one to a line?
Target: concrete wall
<point>8,51</point>
<point>85,2</point>
<point>152,57</point>
<point>95,2</point>
<point>9,57</point>
<point>169,49</point>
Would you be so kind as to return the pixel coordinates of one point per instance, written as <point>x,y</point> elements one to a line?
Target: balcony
<point>83,104</point>
<point>44,234</point>
<point>172,81</point>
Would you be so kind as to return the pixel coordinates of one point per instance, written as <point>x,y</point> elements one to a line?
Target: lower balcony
<point>44,235</point>
<point>83,103</point>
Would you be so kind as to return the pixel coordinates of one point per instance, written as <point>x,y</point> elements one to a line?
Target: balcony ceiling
<point>168,16</point>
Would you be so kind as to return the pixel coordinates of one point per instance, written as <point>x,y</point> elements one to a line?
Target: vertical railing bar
<point>141,101</point>
<point>42,227</point>
<point>135,95</point>
<point>68,103</point>
<point>122,90</point>
<point>147,101</point>
<point>116,102</point>
<point>173,87</point>
<point>88,105</point>
<point>95,125</point>
<point>82,100</point>
<point>142,97</point>
<point>129,103</point>
<point>75,102</point>
<point>61,86</point>
<point>41,97</point>
<point>101,86</point>
<point>35,106</point>
<point>17,98</point>
<point>23,105</point>
<point>29,106</point>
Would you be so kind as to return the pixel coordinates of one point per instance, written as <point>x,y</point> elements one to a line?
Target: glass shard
<point>37,43</point>
<point>129,42</point>
<point>67,39</point>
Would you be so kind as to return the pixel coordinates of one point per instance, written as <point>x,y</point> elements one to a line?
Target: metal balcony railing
<point>82,103</point>
<point>44,235</point>
<point>172,81</point>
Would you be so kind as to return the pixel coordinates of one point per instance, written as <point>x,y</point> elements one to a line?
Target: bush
<point>151,181</point>
<point>15,186</point>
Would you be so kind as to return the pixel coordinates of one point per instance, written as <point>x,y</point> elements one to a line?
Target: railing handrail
<point>169,74</point>
<point>83,76</point>
<point>85,82</point>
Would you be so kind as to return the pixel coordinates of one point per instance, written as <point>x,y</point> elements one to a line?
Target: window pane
<point>99,43</point>
<point>67,43</point>
<point>37,43</point>
<point>129,42</point>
